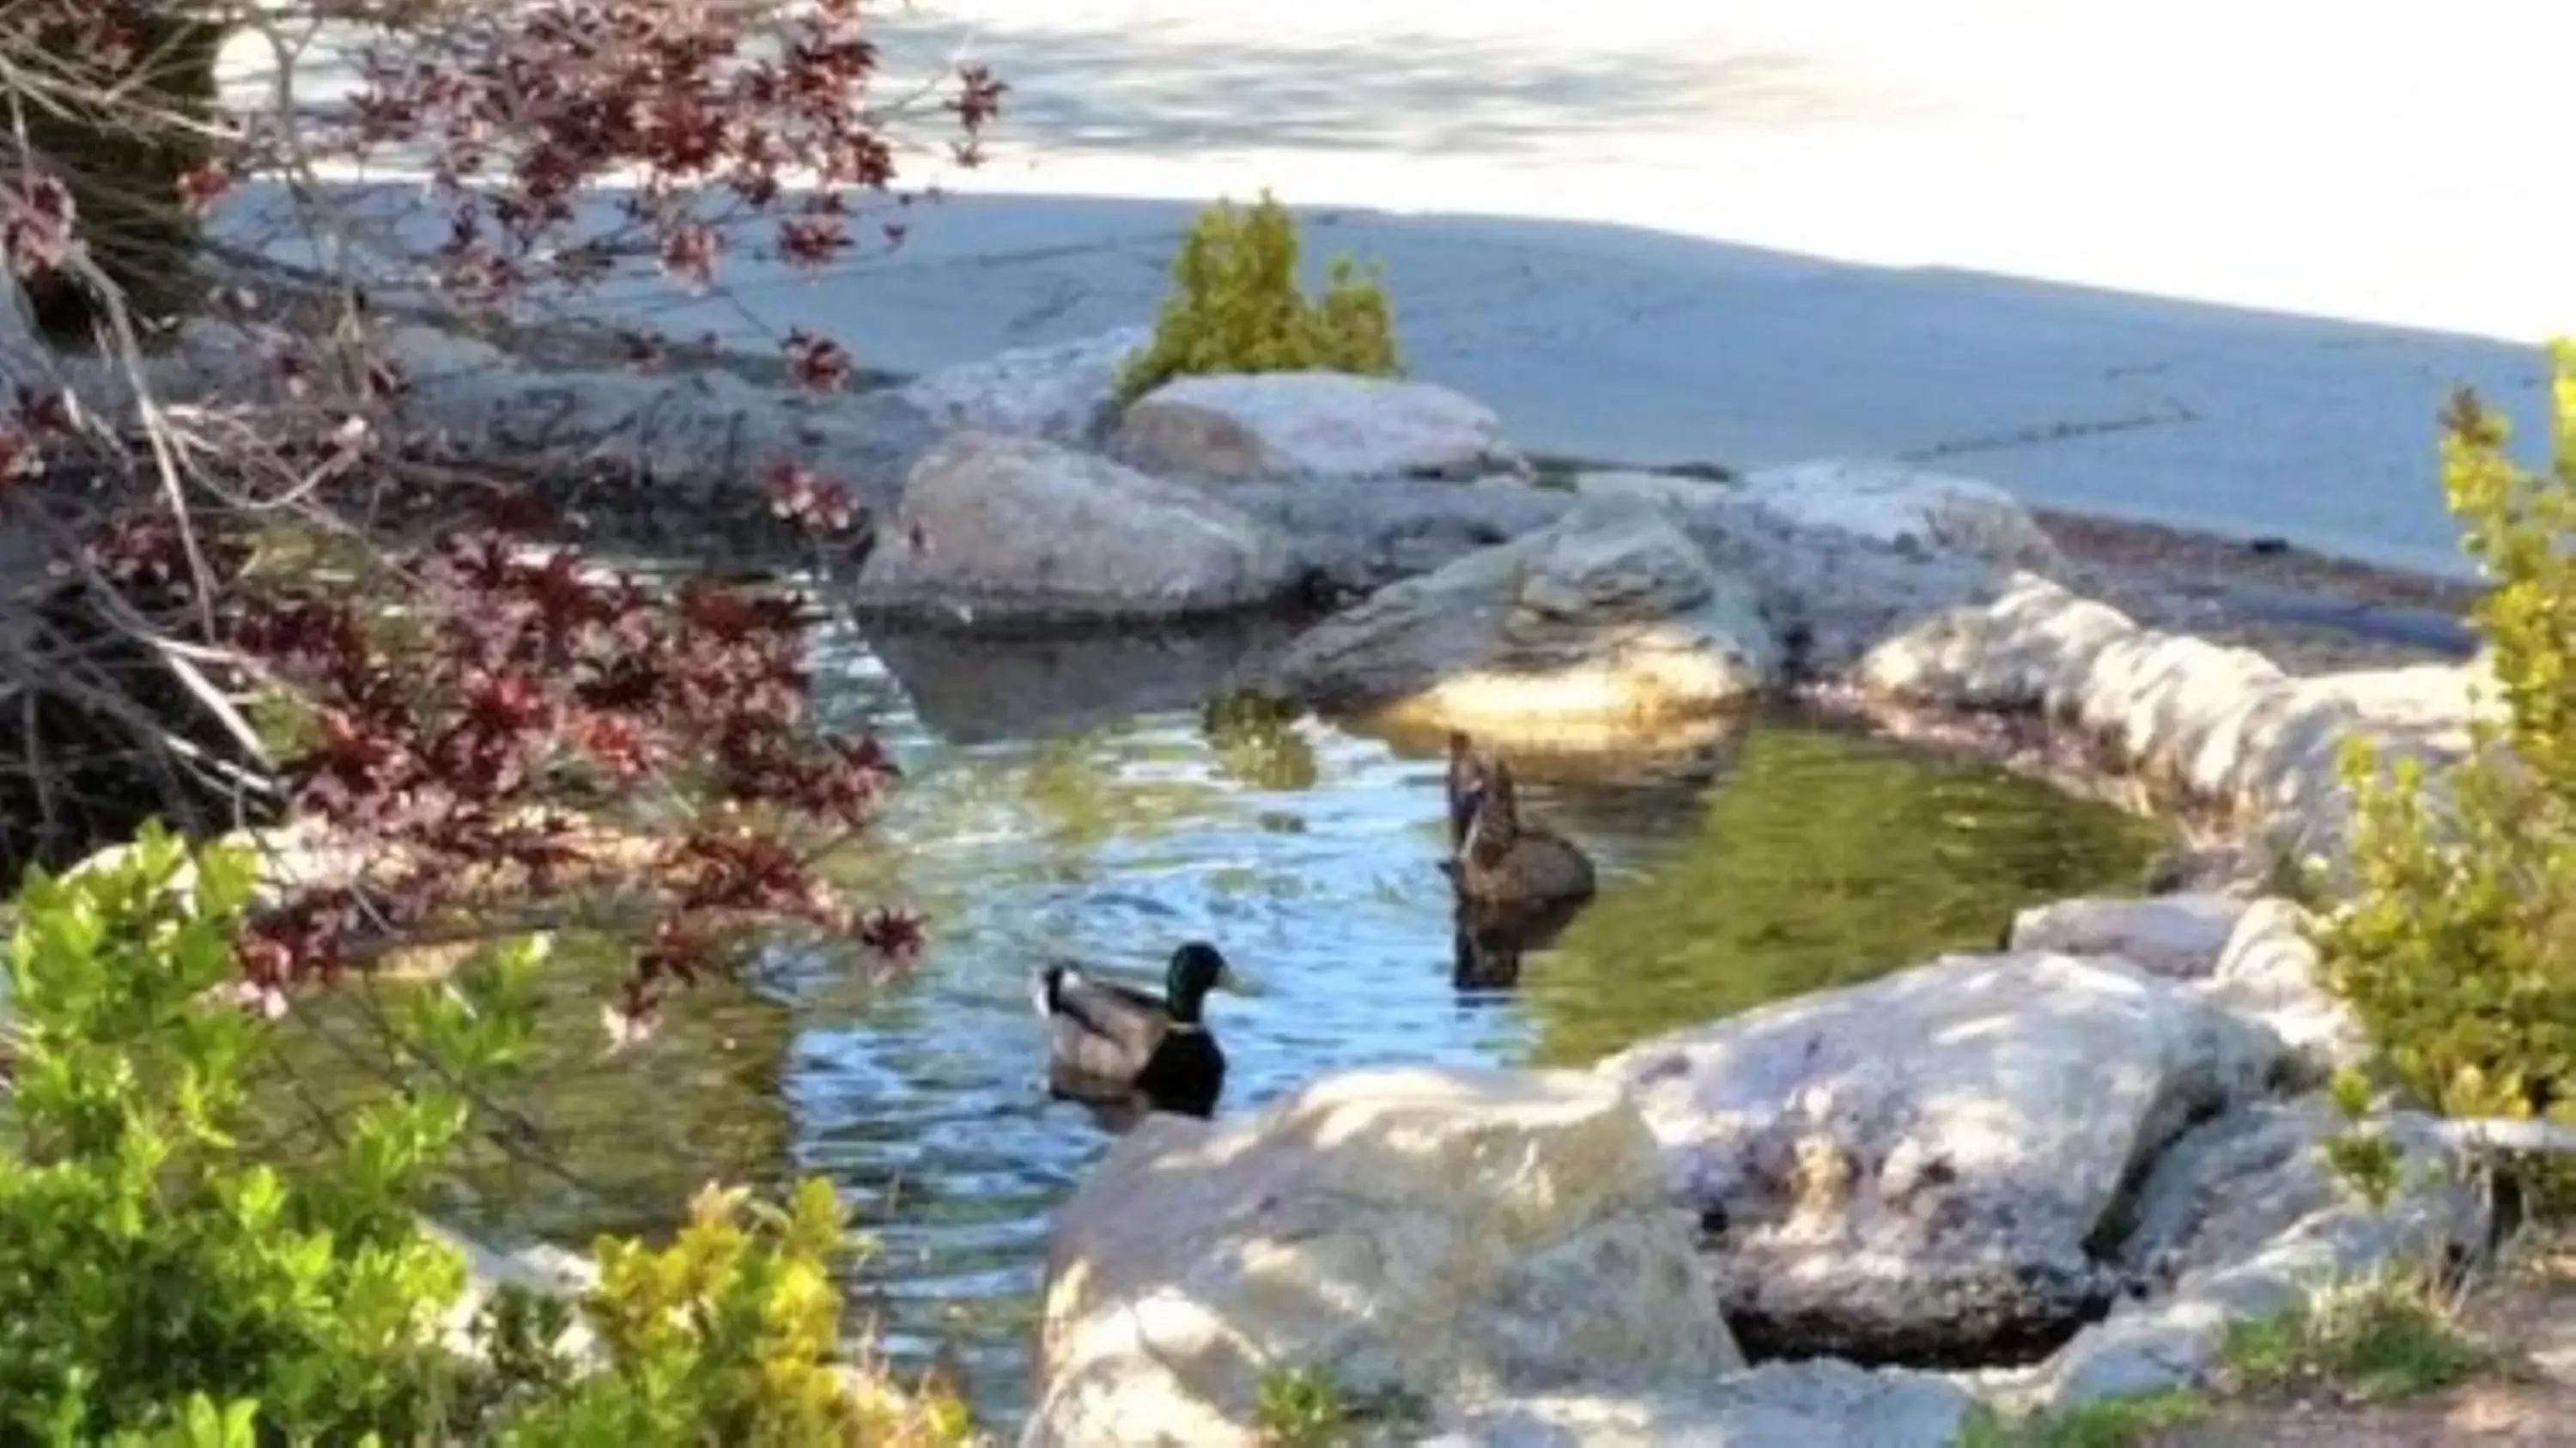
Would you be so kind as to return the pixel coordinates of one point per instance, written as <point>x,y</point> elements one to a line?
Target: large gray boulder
<point>1309,425</point>
<point>1459,1235</point>
<point>1923,1167</point>
<point>1014,528</point>
<point>1611,618</point>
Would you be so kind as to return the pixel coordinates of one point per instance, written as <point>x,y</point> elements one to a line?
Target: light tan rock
<point>1457,1234</point>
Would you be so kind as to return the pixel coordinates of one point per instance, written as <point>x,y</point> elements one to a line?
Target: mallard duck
<point>1502,861</point>
<point>1114,1043</point>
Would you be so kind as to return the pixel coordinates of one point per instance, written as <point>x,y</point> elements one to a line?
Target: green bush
<point>160,1284</point>
<point>2458,951</point>
<point>1235,306</point>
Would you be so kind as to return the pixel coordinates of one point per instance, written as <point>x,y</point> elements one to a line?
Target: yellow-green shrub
<point>1235,306</point>
<point>2459,949</point>
<point>162,1286</point>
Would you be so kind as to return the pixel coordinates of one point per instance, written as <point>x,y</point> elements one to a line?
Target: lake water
<point>1075,799</point>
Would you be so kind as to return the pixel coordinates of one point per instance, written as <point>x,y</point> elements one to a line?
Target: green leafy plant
<point>729,1335</point>
<point>161,1286</point>
<point>2380,1339</point>
<point>2102,1423</point>
<point>148,1263</point>
<point>1307,1407</point>
<point>1236,306</point>
<point>2458,951</point>
<point>2362,1155</point>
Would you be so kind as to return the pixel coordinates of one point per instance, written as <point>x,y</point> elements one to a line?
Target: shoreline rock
<point>1920,1168</point>
<point>1448,1233</point>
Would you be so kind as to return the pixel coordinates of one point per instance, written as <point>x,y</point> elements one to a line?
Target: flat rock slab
<point>1776,1405</point>
<point>1922,1168</point>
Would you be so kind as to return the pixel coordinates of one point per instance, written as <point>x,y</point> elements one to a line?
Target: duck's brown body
<point>1498,859</point>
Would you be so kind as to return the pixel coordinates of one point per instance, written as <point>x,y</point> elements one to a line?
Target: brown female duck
<point>1497,858</point>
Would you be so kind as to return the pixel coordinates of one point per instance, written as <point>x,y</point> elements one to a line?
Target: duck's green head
<point>1196,969</point>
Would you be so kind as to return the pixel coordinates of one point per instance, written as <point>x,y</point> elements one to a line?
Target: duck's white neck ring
<point>1178,1027</point>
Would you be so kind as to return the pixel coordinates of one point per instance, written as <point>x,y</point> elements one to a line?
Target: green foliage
<point>162,1286</point>
<point>729,1335</point>
<point>2386,1338</point>
<point>2363,1156</point>
<point>2101,1423</point>
<point>123,160</point>
<point>1236,306</point>
<point>1306,1407</point>
<point>144,1258</point>
<point>2459,950</point>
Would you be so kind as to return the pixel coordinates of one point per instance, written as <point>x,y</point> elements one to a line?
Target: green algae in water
<point>1821,859</point>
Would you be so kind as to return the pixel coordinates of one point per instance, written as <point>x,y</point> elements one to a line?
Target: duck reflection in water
<point>1489,941</point>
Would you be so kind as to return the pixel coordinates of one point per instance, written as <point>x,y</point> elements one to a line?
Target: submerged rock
<point>1449,1234</point>
<point>1302,425</point>
<point>1923,1168</point>
<point>1611,616</point>
<point>1003,528</point>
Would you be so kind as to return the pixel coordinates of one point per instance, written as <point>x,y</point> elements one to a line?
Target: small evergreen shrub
<point>2459,950</point>
<point>1235,306</point>
<point>161,1285</point>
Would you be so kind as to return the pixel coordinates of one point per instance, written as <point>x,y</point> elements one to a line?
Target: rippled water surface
<point>1073,799</point>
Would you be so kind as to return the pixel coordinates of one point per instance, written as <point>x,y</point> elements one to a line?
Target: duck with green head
<point>1497,859</point>
<point>1113,1044</point>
